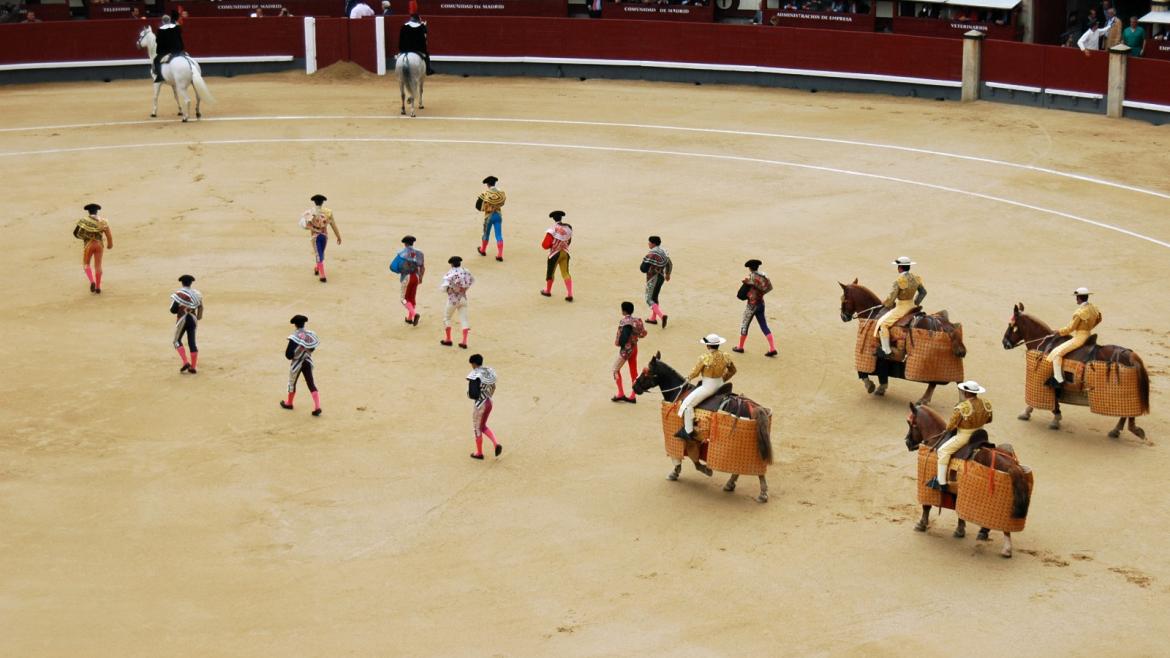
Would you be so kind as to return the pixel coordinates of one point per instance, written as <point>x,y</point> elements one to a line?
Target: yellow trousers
<point>1056,356</point>
<point>946,450</point>
<point>901,309</point>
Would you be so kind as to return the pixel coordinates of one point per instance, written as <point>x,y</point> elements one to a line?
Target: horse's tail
<point>1143,382</point>
<point>407,72</point>
<point>200,85</point>
<point>763,418</point>
<point>1021,497</point>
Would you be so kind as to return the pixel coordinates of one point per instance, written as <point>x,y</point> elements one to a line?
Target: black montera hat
<point>298,320</point>
<point>490,180</point>
<point>455,260</point>
<point>752,264</point>
<point>408,239</point>
<point>557,215</point>
<point>318,199</point>
<point>186,279</point>
<point>92,208</point>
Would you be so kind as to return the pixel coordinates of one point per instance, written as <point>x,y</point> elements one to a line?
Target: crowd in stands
<point>1101,29</point>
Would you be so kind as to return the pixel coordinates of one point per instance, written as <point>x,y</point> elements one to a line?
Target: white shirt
<point>1091,39</point>
<point>361,10</point>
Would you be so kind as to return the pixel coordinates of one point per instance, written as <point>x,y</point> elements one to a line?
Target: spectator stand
<point>52,11</point>
<point>1157,24</point>
<point>245,8</point>
<point>997,19</point>
<point>545,8</point>
<point>115,9</point>
<point>655,12</point>
<point>824,14</point>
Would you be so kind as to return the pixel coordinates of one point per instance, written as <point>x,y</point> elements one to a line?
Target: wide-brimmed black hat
<point>298,320</point>
<point>753,264</point>
<point>186,279</point>
<point>490,180</point>
<point>455,260</point>
<point>557,215</point>
<point>318,199</point>
<point>92,208</point>
<point>408,239</point>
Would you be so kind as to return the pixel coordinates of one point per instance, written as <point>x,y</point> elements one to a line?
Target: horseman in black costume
<point>169,42</point>
<point>412,38</point>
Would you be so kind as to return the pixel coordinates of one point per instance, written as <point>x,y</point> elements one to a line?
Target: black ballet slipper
<point>415,320</point>
<point>193,371</point>
<point>463,345</point>
<point>617,398</point>
<point>97,290</point>
<point>185,368</point>
<point>499,259</point>
<point>285,405</point>
<point>499,449</point>
<point>316,412</point>
<point>631,400</point>
<point>446,343</point>
<point>475,456</point>
<point>651,321</point>
<point>569,298</point>
<point>737,350</point>
<point>92,286</point>
<point>664,321</point>
<point>545,293</point>
<point>771,353</point>
<point>481,253</point>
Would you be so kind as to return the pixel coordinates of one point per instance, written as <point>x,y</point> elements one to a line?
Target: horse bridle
<point>857,314</point>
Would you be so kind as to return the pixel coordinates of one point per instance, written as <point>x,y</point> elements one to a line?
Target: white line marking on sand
<point>608,149</point>
<point>638,126</point>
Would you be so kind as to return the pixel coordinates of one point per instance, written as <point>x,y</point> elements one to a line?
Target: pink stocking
<point>500,248</point>
<point>771,342</point>
<point>316,399</point>
<point>478,444</point>
<point>409,311</point>
<point>569,286</point>
<point>490,435</point>
<point>465,332</point>
<point>182,354</point>
<point>742,340</point>
<point>89,273</point>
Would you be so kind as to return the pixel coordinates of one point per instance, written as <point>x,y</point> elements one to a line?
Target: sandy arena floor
<point>144,513</point>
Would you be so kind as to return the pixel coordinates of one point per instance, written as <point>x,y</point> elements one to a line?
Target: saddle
<point>723,400</point>
<point>1084,354</point>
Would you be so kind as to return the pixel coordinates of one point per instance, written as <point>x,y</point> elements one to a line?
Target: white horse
<point>411,71</point>
<point>180,73</point>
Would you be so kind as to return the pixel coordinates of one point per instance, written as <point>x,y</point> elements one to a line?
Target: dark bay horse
<point>1033,334</point>
<point>860,303</point>
<point>929,427</point>
<point>674,387</point>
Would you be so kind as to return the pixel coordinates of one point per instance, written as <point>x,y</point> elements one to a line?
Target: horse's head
<point>648,378</point>
<point>1023,329</point>
<point>851,303</point>
<point>924,425</point>
<point>914,430</point>
<point>145,38</point>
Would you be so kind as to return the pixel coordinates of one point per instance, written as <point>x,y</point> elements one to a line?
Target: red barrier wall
<point>430,8</point>
<point>332,41</point>
<point>1148,80</point>
<point>1069,68</point>
<point>362,47</point>
<point>1013,63</point>
<point>827,50</point>
<point>115,39</point>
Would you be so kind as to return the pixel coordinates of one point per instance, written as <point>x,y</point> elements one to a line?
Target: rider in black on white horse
<point>169,42</point>
<point>412,38</point>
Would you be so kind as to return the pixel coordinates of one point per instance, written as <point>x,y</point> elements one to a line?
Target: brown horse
<point>1033,334</point>
<point>674,387</point>
<point>929,427</point>
<point>860,303</point>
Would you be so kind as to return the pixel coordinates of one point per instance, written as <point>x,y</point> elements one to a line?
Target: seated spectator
<point>285,13</point>
<point>791,5</point>
<point>858,7</point>
<point>259,13</point>
<point>811,5</point>
<point>30,17</point>
<point>837,6</point>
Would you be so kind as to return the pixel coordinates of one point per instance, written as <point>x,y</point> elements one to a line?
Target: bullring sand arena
<point>144,513</point>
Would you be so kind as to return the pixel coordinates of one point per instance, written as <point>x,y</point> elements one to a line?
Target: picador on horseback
<point>169,43</point>
<point>412,38</point>
<point>1084,320</point>
<point>907,292</point>
<point>969,415</point>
